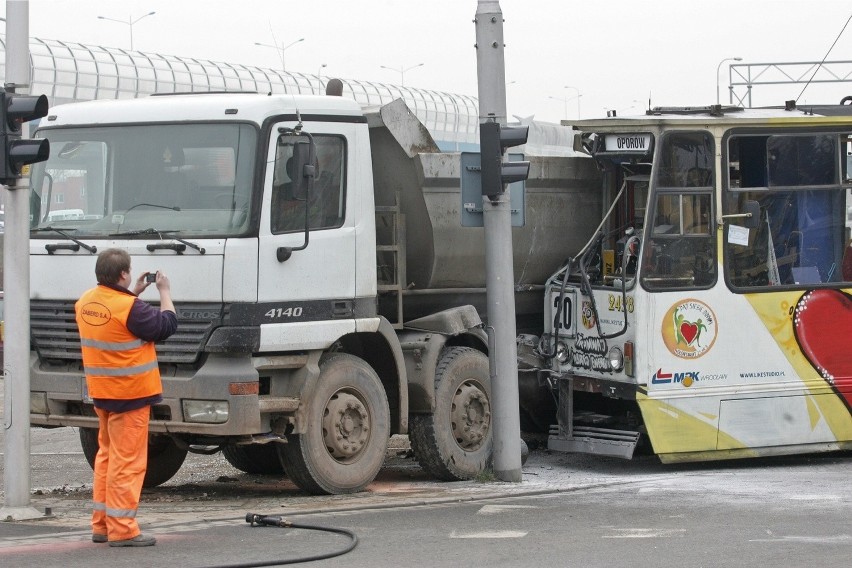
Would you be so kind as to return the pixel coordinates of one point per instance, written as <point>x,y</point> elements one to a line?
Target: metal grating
<point>55,337</point>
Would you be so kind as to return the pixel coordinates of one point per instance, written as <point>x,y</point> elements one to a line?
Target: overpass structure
<point>70,72</point>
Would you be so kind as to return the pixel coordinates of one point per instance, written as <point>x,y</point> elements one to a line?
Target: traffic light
<point>14,111</point>
<point>493,141</point>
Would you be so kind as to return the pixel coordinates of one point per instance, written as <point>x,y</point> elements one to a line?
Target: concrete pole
<point>491,74</point>
<point>16,285</point>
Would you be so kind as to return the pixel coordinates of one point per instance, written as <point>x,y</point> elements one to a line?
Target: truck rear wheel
<point>254,458</point>
<point>347,429</point>
<point>164,456</point>
<point>455,441</point>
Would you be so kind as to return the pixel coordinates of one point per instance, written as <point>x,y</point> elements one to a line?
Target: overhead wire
<point>824,58</point>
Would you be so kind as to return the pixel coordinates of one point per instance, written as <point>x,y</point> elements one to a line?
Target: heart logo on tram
<point>822,324</point>
<point>689,331</point>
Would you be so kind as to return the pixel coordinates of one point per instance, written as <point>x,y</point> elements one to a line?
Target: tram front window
<point>679,249</point>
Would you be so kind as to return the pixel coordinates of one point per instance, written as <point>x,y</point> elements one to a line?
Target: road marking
<point>646,533</point>
<point>815,498</point>
<point>837,539</point>
<point>490,534</point>
<point>497,509</point>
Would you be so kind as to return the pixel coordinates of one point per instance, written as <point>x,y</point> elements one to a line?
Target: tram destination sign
<point>638,143</point>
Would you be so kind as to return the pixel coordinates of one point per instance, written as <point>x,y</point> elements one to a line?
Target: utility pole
<point>16,284</point>
<point>496,206</point>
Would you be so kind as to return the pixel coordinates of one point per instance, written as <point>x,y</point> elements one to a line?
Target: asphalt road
<point>570,510</point>
<point>776,512</point>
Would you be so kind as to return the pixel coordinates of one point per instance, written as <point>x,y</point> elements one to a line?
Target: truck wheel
<point>347,429</point>
<point>164,456</point>
<point>254,458</point>
<point>455,441</point>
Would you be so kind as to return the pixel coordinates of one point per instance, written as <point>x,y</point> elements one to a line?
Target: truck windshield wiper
<point>52,248</point>
<point>170,234</point>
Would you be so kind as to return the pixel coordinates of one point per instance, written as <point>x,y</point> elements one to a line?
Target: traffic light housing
<point>494,138</point>
<point>15,110</point>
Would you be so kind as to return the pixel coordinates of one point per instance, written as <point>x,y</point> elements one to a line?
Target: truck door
<point>308,299</point>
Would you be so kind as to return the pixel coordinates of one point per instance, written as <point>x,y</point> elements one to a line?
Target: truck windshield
<point>194,179</point>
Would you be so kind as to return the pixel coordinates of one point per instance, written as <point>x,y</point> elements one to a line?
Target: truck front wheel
<point>455,441</point>
<point>165,457</point>
<point>347,429</point>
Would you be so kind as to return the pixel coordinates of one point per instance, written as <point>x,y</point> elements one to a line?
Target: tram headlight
<point>562,352</point>
<point>616,359</point>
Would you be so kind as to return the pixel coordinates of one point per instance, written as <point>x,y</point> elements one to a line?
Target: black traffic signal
<point>15,110</point>
<point>493,141</point>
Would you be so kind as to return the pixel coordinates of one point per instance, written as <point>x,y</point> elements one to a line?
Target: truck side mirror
<point>303,169</point>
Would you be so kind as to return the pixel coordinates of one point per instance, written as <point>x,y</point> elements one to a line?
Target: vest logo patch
<point>95,313</point>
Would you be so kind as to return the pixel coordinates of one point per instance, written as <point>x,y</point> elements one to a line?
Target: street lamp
<point>578,100</point>
<point>402,71</point>
<point>130,22</point>
<point>564,101</point>
<point>319,75</point>
<point>718,68</point>
<point>280,49</point>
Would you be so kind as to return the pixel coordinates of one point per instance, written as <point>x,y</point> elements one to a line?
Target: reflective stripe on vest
<point>112,345</point>
<point>120,371</point>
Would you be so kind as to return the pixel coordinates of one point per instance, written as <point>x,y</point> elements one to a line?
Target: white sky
<point>616,52</point>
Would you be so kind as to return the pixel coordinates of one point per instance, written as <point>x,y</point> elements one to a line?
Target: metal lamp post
<point>281,49</point>
<point>578,100</point>
<point>718,68</point>
<point>564,102</point>
<point>130,23</point>
<point>402,71</point>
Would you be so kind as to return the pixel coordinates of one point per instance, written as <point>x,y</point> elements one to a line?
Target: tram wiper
<point>170,234</point>
<point>52,248</point>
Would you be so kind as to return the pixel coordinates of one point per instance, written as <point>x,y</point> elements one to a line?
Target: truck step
<point>591,440</point>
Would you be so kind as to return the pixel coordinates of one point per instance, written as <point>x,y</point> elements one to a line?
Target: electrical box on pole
<point>15,110</point>
<point>494,139</point>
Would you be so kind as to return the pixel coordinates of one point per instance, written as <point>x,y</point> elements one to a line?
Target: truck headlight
<point>206,411</point>
<point>616,359</point>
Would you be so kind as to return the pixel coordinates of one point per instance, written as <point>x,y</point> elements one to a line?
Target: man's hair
<point>110,264</point>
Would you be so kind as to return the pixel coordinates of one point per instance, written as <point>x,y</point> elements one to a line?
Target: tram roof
<point>690,117</point>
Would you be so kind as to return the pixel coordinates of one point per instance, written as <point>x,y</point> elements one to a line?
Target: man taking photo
<point>117,333</point>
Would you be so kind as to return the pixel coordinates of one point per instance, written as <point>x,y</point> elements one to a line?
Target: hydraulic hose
<point>255,519</point>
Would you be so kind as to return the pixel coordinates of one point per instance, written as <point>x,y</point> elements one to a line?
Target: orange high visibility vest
<point>118,365</point>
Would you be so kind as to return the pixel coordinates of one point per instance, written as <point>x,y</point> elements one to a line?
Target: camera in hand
<point>151,277</point>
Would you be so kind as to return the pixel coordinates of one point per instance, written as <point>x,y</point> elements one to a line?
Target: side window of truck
<point>801,185</point>
<point>680,249</point>
<point>325,201</point>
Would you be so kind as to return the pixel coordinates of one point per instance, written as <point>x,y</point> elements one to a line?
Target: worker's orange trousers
<point>119,471</point>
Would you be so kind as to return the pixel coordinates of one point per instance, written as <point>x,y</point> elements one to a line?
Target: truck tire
<point>455,442</point>
<point>164,456</point>
<point>255,458</point>
<point>347,429</point>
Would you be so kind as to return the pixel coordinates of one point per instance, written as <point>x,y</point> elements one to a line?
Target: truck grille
<point>54,333</point>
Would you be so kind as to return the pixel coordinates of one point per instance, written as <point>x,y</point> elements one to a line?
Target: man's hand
<point>141,283</point>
